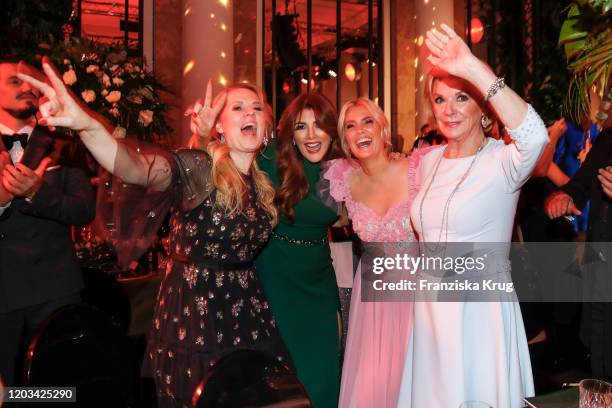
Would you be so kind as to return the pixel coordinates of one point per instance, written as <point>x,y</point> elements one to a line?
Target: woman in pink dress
<point>377,192</point>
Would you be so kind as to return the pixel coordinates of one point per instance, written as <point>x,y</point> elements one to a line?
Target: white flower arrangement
<point>114,85</point>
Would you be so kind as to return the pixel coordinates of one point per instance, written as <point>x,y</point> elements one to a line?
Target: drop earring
<point>486,123</point>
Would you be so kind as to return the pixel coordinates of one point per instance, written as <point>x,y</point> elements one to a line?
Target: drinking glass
<point>595,394</point>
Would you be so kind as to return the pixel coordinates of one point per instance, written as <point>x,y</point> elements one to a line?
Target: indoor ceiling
<point>354,22</point>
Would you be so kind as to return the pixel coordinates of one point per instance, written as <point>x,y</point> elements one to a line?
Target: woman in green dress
<point>295,267</point>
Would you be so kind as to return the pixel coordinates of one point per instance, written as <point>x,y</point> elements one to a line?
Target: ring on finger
<point>55,106</point>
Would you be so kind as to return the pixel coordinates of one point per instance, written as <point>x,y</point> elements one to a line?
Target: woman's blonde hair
<point>375,111</point>
<point>227,178</point>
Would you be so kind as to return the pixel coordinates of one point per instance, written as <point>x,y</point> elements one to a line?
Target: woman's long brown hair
<point>293,183</point>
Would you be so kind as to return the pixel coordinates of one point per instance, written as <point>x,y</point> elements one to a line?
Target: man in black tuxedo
<point>39,271</point>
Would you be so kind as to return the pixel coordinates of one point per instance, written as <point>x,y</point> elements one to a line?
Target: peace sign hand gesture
<point>58,107</point>
<point>448,51</point>
<point>203,115</point>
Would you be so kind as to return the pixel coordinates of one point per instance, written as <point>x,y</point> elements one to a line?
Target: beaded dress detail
<point>210,302</point>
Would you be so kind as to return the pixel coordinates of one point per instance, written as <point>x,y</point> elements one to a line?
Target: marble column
<point>166,31</point>
<point>207,49</point>
<point>245,40</point>
<point>403,51</point>
<point>429,13</point>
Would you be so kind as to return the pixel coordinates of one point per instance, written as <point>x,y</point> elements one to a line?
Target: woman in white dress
<point>469,189</point>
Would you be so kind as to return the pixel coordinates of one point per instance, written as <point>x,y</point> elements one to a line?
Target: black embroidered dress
<point>210,302</point>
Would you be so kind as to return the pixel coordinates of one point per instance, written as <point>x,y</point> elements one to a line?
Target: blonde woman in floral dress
<point>210,302</point>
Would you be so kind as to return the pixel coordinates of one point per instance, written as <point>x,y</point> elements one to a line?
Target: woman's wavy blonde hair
<point>227,178</point>
<point>375,111</point>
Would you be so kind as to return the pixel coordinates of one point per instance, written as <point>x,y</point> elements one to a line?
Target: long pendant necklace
<point>444,223</point>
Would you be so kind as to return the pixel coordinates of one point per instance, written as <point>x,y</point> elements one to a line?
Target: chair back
<point>248,378</point>
<point>81,346</point>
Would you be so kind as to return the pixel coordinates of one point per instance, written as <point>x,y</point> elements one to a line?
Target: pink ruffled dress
<point>378,332</point>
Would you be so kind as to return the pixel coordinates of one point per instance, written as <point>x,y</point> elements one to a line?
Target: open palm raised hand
<point>58,107</point>
<point>448,51</point>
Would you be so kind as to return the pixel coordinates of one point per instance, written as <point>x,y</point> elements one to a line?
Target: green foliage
<point>26,23</point>
<point>550,85</point>
<point>587,39</point>
<point>551,77</point>
<point>572,37</point>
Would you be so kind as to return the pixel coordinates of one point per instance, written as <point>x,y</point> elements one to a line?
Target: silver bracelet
<point>494,88</point>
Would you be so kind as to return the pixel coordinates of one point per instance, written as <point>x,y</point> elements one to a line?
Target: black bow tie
<point>9,140</point>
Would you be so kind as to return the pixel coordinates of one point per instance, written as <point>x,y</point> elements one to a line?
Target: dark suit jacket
<point>37,258</point>
<point>585,186</point>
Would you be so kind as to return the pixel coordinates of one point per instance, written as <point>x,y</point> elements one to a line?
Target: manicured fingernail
<point>43,122</point>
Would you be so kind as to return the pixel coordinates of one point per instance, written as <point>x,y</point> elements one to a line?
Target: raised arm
<point>59,107</point>
<point>556,175</point>
<point>571,197</point>
<point>542,168</point>
<point>451,54</point>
